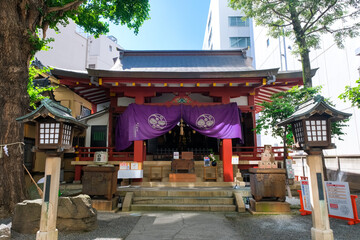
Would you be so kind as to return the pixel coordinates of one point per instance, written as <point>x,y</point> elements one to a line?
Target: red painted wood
<point>138,151</point>
<point>93,108</point>
<point>77,176</point>
<point>227,166</point>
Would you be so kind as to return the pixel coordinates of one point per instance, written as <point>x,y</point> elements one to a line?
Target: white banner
<point>305,191</point>
<point>339,200</point>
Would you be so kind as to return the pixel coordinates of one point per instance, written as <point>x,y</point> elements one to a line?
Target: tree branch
<point>66,7</point>
<point>306,27</point>
<point>278,13</point>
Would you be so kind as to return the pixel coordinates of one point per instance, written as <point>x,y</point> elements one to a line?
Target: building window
<point>210,35</point>
<point>239,42</point>
<point>85,111</point>
<point>110,48</point>
<point>92,66</point>
<point>238,22</point>
<point>209,22</point>
<point>268,42</point>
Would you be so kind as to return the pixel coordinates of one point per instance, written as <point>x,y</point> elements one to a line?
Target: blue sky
<point>173,25</point>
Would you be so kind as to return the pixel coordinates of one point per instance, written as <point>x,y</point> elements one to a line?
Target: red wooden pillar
<point>227,151</point>
<point>227,155</point>
<point>251,100</point>
<point>139,154</point>
<point>113,105</point>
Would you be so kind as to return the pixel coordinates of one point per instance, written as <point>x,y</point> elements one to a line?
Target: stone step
<point>187,207</point>
<point>184,200</point>
<point>190,184</point>
<point>183,193</point>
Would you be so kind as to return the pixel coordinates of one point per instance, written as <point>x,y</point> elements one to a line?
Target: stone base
<point>47,235</point>
<point>106,205</point>
<point>318,234</point>
<point>182,177</point>
<point>269,207</point>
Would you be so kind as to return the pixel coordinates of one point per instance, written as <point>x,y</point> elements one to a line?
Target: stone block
<point>239,202</point>
<point>5,233</point>
<point>264,207</point>
<point>74,214</point>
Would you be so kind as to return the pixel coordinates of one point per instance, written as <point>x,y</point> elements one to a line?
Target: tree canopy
<point>352,94</point>
<point>304,21</point>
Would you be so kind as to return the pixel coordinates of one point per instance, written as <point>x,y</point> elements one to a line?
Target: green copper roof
<point>52,109</point>
<point>317,105</point>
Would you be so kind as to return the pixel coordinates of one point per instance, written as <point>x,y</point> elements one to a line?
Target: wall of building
<point>102,52</point>
<point>100,120</point>
<point>71,100</point>
<point>67,51</point>
<point>75,50</point>
<point>220,30</point>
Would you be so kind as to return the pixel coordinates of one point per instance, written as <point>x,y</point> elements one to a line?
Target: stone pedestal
<point>269,207</point>
<point>106,205</point>
<point>100,181</point>
<point>268,184</point>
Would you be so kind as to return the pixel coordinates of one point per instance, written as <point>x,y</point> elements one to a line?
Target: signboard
<point>124,166</point>
<point>235,160</point>
<point>339,200</point>
<point>206,161</point>
<point>176,155</point>
<point>135,166</point>
<point>305,190</point>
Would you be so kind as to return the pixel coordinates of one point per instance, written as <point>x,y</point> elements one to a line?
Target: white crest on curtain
<point>157,121</point>
<point>205,121</point>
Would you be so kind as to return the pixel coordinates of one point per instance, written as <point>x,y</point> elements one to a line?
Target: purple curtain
<point>220,121</point>
<point>141,122</point>
<point>122,131</point>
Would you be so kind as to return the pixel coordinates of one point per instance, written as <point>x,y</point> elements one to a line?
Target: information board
<point>339,200</point>
<point>305,190</point>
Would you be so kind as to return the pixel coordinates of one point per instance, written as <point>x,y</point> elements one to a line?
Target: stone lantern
<point>54,133</point>
<point>311,126</point>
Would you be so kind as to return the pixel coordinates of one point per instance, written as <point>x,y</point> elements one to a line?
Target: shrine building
<point>161,102</point>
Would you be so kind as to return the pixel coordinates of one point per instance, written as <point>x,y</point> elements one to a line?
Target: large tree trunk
<point>301,43</point>
<point>15,52</point>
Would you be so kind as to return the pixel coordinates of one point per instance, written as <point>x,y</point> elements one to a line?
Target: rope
<point>9,144</point>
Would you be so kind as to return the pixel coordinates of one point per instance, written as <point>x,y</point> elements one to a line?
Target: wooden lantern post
<point>311,126</point>
<point>55,129</point>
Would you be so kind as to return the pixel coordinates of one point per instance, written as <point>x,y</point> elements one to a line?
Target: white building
<point>73,49</point>
<point>226,30</point>
<point>337,67</point>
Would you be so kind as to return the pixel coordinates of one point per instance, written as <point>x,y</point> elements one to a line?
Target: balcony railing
<point>87,154</point>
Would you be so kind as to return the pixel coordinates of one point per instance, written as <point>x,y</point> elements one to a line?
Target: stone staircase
<point>183,200</point>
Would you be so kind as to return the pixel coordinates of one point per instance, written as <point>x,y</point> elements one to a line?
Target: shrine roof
<point>53,109</point>
<point>183,61</point>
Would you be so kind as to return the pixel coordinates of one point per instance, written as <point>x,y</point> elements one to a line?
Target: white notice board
<point>339,200</point>
<point>305,191</point>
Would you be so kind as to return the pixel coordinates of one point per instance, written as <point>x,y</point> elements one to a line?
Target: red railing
<point>87,154</point>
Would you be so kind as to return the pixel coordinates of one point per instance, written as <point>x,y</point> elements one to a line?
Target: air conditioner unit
<point>100,157</point>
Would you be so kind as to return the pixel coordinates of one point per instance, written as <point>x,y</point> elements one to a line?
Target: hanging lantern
<point>181,127</point>
<point>54,126</point>
<point>311,124</point>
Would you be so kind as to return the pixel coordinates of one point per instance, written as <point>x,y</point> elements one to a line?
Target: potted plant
<point>213,159</point>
